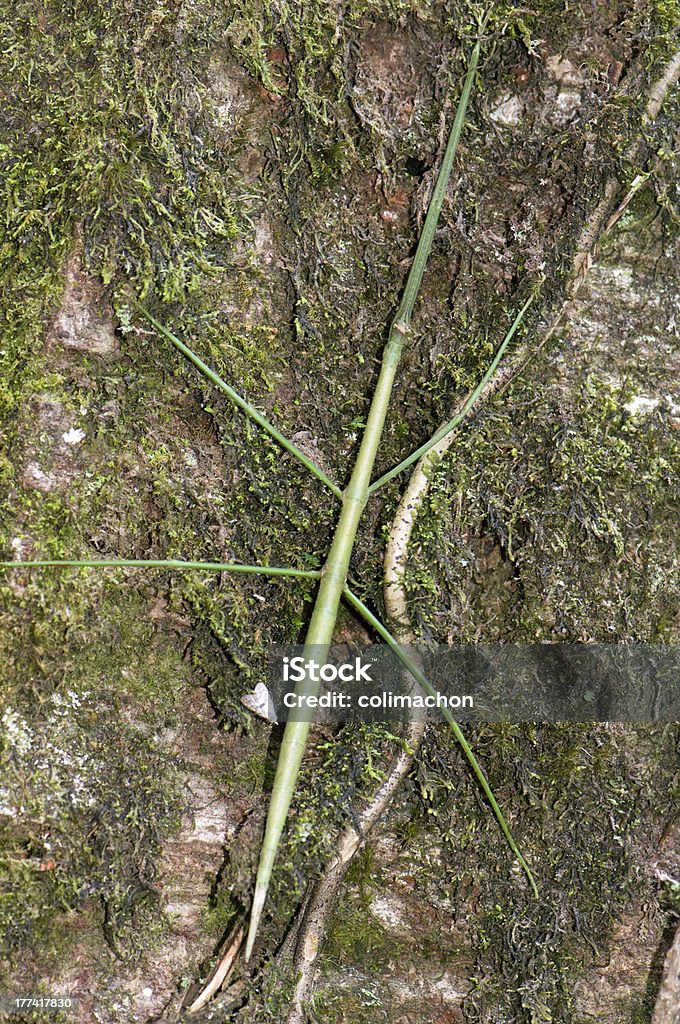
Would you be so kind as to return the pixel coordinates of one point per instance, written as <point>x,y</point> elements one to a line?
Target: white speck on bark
<point>73,436</point>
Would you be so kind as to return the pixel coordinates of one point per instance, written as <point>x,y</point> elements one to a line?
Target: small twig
<point>322,899</point>
<point>220,972</point>
<point>602,219</point>
<point>661,87</point>
<point>635,186</point>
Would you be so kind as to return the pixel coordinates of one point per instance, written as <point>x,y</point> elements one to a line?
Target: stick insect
<point>332,578</point>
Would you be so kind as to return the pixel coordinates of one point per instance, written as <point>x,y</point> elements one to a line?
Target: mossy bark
<point>259,173</point>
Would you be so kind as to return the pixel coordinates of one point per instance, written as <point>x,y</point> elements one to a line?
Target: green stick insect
<point>333,576</point>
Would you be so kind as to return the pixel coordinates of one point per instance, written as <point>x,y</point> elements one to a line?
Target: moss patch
<point>85,804</point>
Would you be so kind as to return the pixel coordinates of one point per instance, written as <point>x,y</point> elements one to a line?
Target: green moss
<point>355,932</point>
<point>86,803</point>
<point>88,794</point>
<point>221,913</point>
<point>121,152</point>
<point>589,799</point>
<point>547,496</point>
<point>105,142</point>
<point>361,1005</point>
<point>664,17</point>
